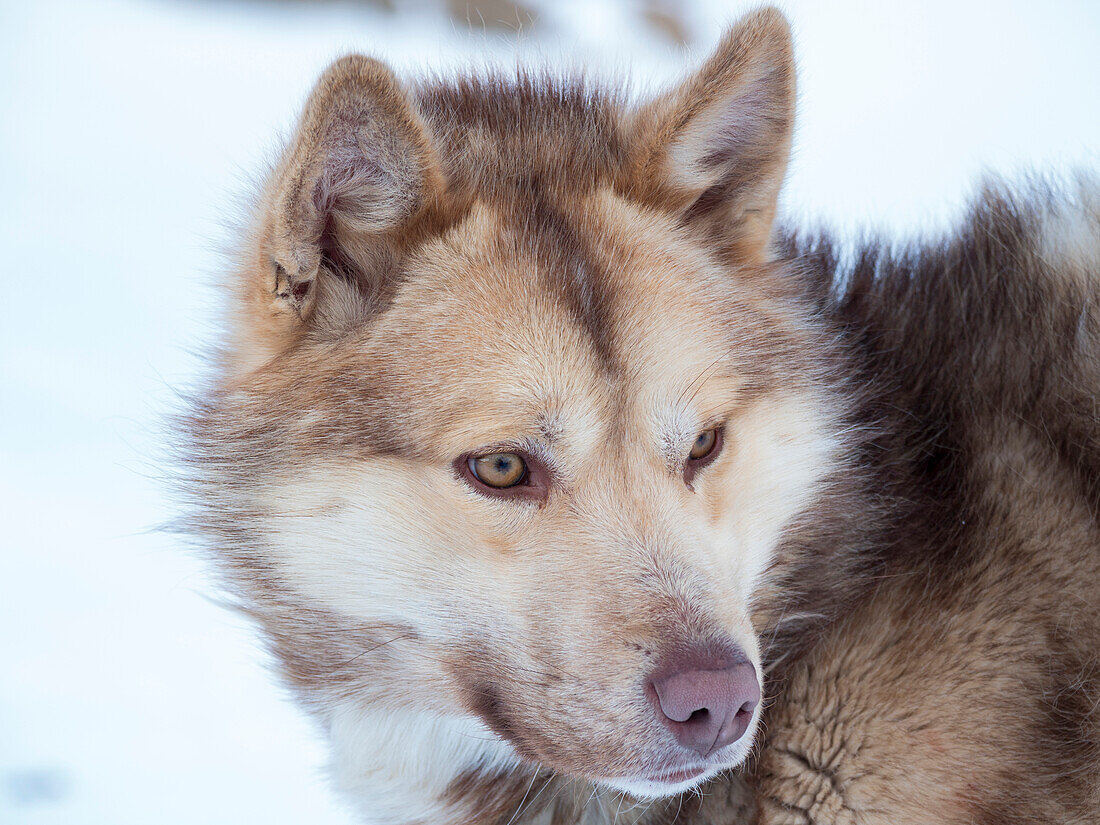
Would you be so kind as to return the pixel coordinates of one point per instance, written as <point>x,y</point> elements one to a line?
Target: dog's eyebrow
<point>549,426</point>
<point>549,434</point>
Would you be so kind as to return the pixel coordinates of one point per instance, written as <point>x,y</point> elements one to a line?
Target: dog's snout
<point>706,707</point>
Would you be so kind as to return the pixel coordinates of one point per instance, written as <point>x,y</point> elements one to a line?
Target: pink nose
<point>708,709</point>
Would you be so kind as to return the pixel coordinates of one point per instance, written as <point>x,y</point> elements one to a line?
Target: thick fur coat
<point>963,686</point>
<point>894,528</point>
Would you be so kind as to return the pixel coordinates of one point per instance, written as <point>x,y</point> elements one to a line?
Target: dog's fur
<point>965,688</point>
<point>900,530</point>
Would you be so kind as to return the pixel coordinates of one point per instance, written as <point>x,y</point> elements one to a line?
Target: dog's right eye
<point>498,470</point>
<point>506,474</point>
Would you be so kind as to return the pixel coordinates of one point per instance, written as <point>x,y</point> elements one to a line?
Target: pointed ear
<point>359,169</point>
<point>716,146</point>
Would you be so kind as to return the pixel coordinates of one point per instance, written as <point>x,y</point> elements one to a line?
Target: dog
<point>561,481</point>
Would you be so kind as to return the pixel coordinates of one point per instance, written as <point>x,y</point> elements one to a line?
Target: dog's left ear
<point>716,146</point>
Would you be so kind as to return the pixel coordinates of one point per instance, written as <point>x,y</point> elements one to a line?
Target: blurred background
<point>131,134</point>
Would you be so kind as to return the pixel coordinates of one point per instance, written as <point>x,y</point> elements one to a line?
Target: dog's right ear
<point>359,169</point>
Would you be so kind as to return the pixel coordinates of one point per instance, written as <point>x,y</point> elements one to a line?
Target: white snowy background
<point>129,134</point>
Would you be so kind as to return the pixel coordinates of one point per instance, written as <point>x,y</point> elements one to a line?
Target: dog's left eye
<point>704,444</point>
<point>705,449</point>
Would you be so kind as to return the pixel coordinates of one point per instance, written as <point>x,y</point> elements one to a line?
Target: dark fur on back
<point>964,686</point>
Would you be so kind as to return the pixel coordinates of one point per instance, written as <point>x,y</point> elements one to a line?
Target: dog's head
<point>517,409</point>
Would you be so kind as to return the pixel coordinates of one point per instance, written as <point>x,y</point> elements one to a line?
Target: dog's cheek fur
<point>785,449</point>
<point>357,539</point>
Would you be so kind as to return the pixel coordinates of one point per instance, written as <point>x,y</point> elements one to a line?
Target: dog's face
<point>522,453</point>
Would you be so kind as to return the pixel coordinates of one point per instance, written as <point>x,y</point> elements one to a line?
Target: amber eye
<point>705,449</point>
<point>498,470</point>
<point>704,444</point>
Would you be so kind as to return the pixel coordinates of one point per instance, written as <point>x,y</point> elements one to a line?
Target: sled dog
<point>561,482</point>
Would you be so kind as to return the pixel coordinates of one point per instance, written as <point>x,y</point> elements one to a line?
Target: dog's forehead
<point>534,320</point>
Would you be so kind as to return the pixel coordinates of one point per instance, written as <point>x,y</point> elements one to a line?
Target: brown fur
<point>437,267</point>
<point>964,688</point>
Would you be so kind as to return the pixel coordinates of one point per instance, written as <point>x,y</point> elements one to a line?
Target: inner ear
<point>359,169</point>
<point>716,146</point>
<point>286,289</point>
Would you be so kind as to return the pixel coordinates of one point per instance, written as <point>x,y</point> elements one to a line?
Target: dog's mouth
<point>671,778</point>
<point>675,777</point>
<point>664,783</point>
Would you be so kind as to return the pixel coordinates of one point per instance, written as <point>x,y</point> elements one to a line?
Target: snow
<point>129,134</point>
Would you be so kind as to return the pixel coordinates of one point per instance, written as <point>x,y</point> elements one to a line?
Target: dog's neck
<point>416,768</point>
